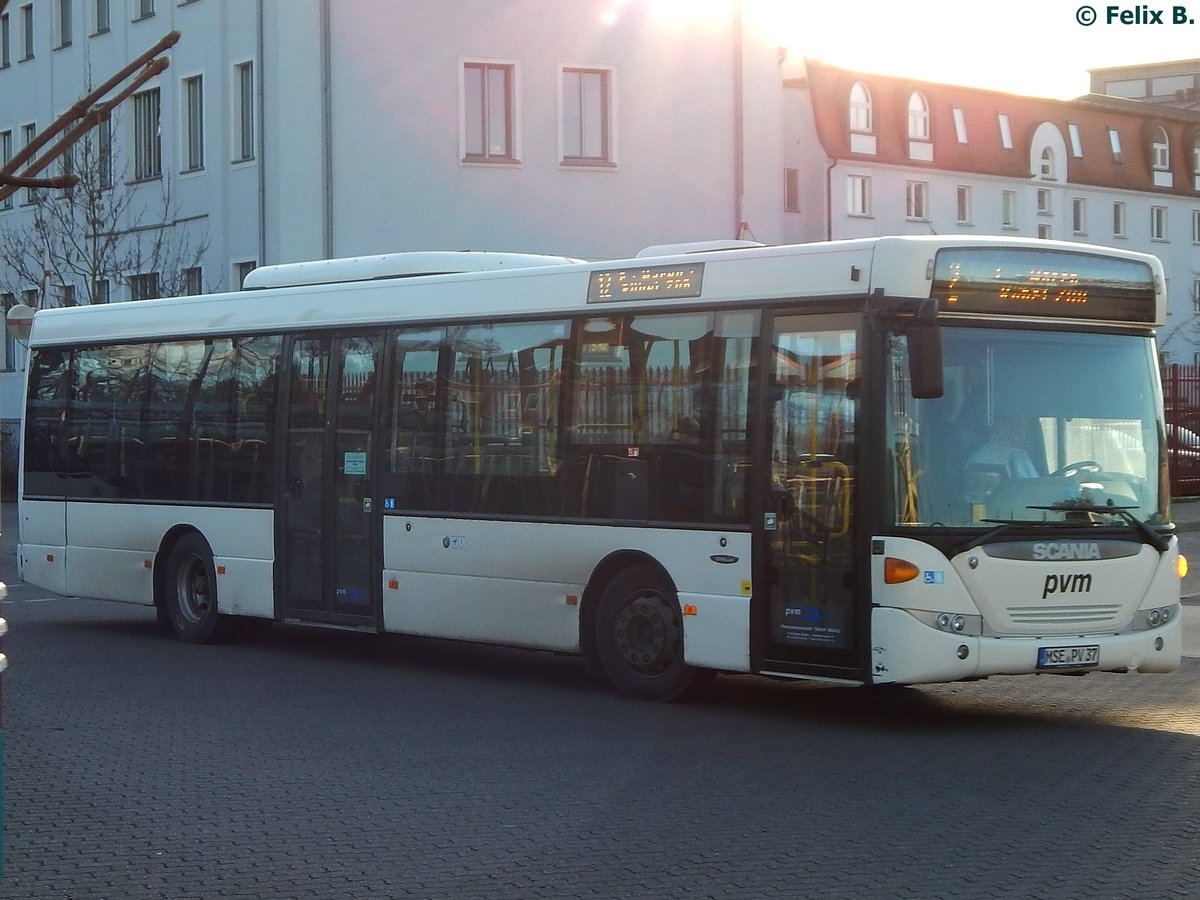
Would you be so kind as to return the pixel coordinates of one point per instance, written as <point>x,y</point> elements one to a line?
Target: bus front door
<point>806,621</point>
<point>327,528</point>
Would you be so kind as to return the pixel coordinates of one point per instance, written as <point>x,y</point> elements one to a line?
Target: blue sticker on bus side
<point>935,577</point>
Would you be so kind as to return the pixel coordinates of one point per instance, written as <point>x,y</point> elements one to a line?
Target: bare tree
<point>98,231</point>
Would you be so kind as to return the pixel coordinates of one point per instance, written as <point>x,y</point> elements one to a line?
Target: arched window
<point>918,117</point>
<point>1160,149</point>
<point>860,107</point>
<point>1046,169</point>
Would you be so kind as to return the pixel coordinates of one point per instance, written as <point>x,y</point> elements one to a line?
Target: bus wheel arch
<point>186,586</point>
<point>632,628</point>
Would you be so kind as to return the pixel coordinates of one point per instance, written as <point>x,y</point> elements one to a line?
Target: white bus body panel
<point>97,564</point>
<point>1014,607</point>
<point>522,583</point>
<point>41,551</point>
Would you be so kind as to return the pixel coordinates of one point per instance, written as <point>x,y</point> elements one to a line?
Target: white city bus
<point>885,461</point>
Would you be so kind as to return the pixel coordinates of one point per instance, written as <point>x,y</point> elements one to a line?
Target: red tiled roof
<point>983,153</point>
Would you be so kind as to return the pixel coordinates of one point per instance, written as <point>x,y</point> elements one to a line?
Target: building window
<point>192,281</point>
<point>6,153</point>
<point>858,199</point>
<point>964,205</point>
<point>1076,143</point>
<point>144,286</point>
<point>193,123</point>
<point>243,130</point>
<point>1005,132</point>
<point>1119,219</point>
<point>489,112</point>
<point>5,42</point>
<point>918,117</point>
<point>28,133</point>
<point>1044,232</point>
<point>240,271</point>
<point>860,108</point>
<point>791,190</point>
<point>587,117</point>
<point>62,23</point>
<point>102,291</point>
<point>7,301</point>
<point>1196,163</point>
<point>145,9</point>
<point>102,136</point>
<point>1196,296</point>
<point>917,200</point>
<point>1114,142</point>
<point>1046,168</point>
<point>960,124</point>
<point>1079,215</point>
<point>1158,223</point>
<point>64,295</point>
<point>1043,202</point>
<point>100,12</point>
<point>1160,149</point>
<point>27,32</point>
<point>1008,209</point>
<point>147,139</point>
<point>1196,226</point>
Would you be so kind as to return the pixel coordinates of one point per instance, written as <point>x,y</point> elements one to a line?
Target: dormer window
<point>1046,168</point>
<point>1160,149</point>
<point>860,108</point>
<point>919,145</point>
<point>1196,164</point>
<point>1160,157</point>
<point>918,118</point>
<point>861,120</point>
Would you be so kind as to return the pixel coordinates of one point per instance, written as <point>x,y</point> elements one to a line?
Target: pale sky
<point>1033,47</point>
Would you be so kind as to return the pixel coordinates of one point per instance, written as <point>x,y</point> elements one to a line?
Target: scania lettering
<point>1076,550</point>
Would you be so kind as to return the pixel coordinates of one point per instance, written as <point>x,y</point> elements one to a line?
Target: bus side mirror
<point>924,337</point>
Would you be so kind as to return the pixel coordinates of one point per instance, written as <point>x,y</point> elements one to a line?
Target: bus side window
<point>45,422</point>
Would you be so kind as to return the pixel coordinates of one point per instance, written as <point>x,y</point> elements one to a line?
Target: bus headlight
<point>951,623</point>
<point>1160,616</point>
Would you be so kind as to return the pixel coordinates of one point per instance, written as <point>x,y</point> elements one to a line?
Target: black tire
<point>639,636</point>
<point>189,600</point>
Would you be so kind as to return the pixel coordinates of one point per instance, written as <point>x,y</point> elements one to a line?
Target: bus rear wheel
<point>639,636</point>
<point>190,591</point>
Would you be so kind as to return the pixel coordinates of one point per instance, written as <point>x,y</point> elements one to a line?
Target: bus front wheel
<point>639,636</point>
<point>190,590</point>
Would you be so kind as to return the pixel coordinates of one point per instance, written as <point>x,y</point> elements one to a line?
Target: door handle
<point>297,490</point>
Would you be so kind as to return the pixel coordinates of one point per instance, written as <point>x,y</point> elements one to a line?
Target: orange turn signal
<point>1181,566</point>
<point>898,571</point>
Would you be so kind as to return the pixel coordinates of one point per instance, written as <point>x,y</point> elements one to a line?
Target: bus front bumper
<point>907,651</point>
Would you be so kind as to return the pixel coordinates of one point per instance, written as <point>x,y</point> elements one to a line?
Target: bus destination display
<point>645,283</point>
<point>1043,283</point>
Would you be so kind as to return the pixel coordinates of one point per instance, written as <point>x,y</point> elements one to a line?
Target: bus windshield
<point>1033,426</point>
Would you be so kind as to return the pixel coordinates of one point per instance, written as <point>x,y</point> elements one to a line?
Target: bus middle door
<point>328,529</point>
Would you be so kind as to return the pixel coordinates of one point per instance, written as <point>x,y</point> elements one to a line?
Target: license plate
<point>1068,657</point>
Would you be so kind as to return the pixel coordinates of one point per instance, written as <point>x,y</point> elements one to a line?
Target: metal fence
<point>1181,397</point>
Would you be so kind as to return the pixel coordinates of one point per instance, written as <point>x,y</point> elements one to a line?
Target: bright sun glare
<point>1034,47</point>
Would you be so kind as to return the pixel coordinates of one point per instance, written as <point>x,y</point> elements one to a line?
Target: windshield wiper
<point>1152,537</point>
<point>1148,534</point>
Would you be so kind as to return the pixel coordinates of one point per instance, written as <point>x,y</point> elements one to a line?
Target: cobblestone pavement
<point>325,764</point>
